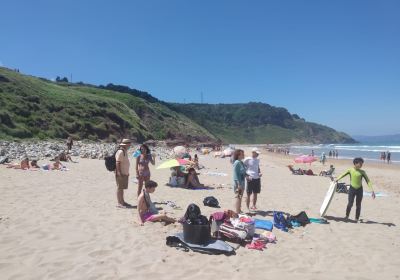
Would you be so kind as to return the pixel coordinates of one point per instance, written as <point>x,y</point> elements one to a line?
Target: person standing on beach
<point>122,172</point>
<point>388,157</point>
<point>323,158</point>
<point>384,157</point>
<point>239,174</point>
<point>142,166</point>
<point>70,142</point>
<point>253,172</point>
<point>356,189</point>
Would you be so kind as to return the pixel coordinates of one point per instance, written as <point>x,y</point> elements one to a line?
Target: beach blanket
<point>213,247</point>
<point>264,224</point>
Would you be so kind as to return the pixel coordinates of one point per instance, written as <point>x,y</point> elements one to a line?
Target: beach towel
<point>377,194</point>
<point>318,221</point>
<point>213,247</point>
<point>264,224</point>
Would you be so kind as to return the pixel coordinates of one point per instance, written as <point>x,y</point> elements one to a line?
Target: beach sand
<point>64,225</point>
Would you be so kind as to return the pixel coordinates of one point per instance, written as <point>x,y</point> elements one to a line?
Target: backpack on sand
<point>211,202</point>
<point>111,162</point>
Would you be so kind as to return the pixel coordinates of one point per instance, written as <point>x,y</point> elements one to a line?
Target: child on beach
<point>147,212</point>
<point>356,188</point>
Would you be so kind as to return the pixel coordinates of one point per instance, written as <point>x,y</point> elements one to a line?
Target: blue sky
<point>332,62</point>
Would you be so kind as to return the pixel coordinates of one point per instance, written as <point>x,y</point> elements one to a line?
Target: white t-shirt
<point>252,167</point>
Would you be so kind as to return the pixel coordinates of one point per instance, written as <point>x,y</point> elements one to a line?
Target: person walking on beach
<point>239,174</point>
<point>122,172</point>
<point>330,154</point>
<point>388,157</point>
<point>142,166</point>
<point>356,188</point>
<point>253,172</point>
<point>323,158</point>
<point>70,142</point>
<point>384,156</point>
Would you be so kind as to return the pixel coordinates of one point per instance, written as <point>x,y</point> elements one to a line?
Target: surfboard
<point>327,199</point>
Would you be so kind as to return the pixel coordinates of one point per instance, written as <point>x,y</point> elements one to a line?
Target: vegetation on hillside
<point>33,107</point>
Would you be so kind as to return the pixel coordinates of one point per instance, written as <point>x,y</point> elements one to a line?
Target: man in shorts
<point>253,175</point>
<point>122,172</point>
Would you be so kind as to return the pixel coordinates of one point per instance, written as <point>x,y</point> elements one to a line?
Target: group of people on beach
<point>147,212</point>
<point>246,178</point>
<point>386,157</point>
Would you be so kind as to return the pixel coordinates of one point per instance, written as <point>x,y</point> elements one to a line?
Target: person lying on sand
<point>57,165</point>
<point>24,165</point>
<point>192,180</point>
<point>147,212</point>
<point>34,164</point>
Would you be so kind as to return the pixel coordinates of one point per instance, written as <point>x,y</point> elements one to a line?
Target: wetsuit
<point>356,189</point>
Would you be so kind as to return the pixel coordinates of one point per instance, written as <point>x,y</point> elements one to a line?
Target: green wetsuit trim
<point>356,176</point>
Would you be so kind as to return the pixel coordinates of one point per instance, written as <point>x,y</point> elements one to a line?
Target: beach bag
<point>341,188</point>
<point>299,219</point>
<point>111,162</point>
<point>230,233</point>
<point>196,234</point>
<point>280,221</point>
<point>173,182</point>
<point>216,220</point>
<point>211,202</point>
<point>196,227</point>
<point>246,223</point>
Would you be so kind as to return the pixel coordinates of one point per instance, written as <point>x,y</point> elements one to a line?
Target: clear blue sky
<point>332,62</point>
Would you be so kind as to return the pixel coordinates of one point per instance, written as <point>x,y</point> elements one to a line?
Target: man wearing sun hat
<point>253,177</point>
<point>122,171</point>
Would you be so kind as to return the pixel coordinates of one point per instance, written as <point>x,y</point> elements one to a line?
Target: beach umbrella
<point>173,163</point>
<point>305,159</point>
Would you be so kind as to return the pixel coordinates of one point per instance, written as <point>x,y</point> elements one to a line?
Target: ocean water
<point>369,152</point>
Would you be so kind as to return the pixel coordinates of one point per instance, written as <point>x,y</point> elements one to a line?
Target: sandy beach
<point>65,225</point>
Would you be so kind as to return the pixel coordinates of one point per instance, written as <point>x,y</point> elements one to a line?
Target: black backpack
<point>300,218</point>
<point>111,162</point>
<point>211,202</point>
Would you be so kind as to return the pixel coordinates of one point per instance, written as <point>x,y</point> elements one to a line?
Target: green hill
<point>258,123</point>
<point>33,107</point>
<point>37,108</point>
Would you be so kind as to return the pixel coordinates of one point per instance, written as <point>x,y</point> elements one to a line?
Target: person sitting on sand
<point>147,212</point>
<point>23,165</point>
<point>327,172</point>
<point>196,161</point>
<point>356,188</point>
<point>298,171</point>
<point>65,156</point>
<point>192,180</point>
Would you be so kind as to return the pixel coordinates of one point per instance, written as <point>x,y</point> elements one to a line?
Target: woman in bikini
<point>147,212</point>
<point>142,166</point>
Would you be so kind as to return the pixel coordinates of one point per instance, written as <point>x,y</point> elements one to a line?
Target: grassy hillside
<point>33,107</point>
<point>37,108</point>
<point>258,123</point>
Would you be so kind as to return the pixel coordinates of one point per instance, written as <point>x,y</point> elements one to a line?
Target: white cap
<point>255,150</point>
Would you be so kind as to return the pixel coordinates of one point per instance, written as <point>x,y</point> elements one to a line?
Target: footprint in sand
<point>100,253</point>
